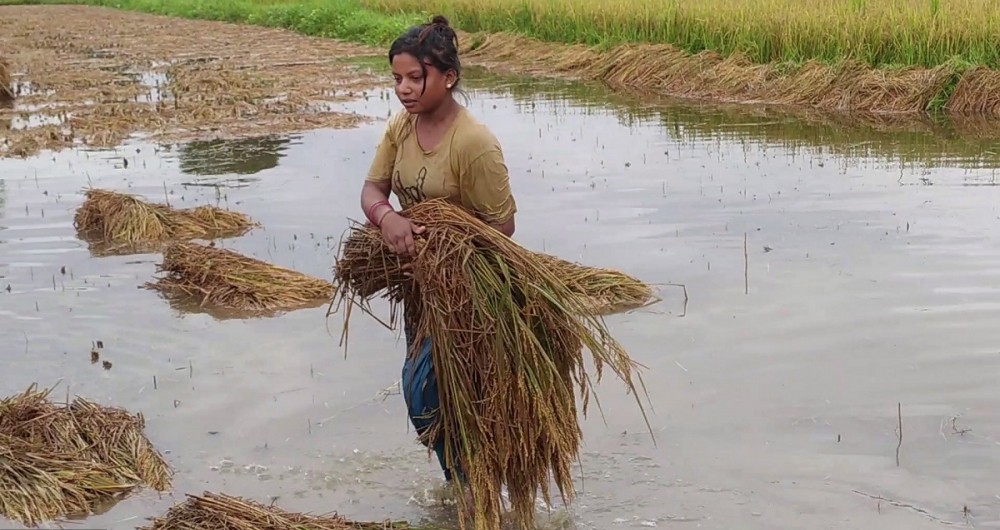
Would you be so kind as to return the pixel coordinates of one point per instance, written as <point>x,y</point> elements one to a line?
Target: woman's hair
<point>435,43</point>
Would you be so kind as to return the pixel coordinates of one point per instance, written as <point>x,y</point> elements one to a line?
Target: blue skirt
<point>420,391</point>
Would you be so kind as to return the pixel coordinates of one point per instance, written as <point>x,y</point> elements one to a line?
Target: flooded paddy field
<point>840,281</point>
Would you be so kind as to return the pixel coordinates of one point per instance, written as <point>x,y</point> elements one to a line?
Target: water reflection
<point>907,141</point>
<point>885,139</point>
<point>244,156</point>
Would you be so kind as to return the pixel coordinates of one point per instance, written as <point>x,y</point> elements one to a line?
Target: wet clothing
<point>420,391</point>
<point>467,166</point>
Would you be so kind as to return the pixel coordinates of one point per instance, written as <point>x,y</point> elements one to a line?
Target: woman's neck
<point>441,115</point>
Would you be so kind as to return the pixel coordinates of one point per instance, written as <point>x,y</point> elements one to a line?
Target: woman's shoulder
<point>398,125</point>
<point>473,136</point>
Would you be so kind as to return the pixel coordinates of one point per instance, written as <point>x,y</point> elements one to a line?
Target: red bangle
<point>382,217</point>
<point>371,210</point>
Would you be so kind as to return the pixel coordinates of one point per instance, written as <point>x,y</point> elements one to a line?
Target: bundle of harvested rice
<point>59,460</point>
<point>507,336</point>
<point>604,291</point>
<point>6,86</point>
<point>214,511</point>
<point>125,219</point>
<point>230,280</point>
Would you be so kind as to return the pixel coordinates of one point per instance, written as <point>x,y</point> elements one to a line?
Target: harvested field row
<point>666,70</point>
<point>101,75</point>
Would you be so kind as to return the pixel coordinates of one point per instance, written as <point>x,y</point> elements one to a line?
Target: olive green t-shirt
<point>467,166</point>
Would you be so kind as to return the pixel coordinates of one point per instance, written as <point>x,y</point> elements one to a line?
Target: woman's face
<point>410,82</point>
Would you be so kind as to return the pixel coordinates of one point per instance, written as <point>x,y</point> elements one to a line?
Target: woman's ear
<point>450,78</point>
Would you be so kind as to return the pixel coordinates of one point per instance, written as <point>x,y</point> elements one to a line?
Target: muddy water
<point>867,283</point>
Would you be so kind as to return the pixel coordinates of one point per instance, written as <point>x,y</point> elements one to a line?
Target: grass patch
<point>341,19</point>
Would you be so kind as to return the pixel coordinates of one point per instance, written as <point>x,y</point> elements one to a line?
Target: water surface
<point>834,274</point>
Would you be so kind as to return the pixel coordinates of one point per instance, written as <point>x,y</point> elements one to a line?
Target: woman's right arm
<point>397,231</point>
<point>375,199</point>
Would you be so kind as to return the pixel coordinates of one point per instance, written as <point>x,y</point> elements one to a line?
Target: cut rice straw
<point>226,279</point>
<point>6,84</point>
<point>123,219</point>
<point>214,511</point>
<point>603,291</point>
<point>507,334</point>
<point>63,460</point>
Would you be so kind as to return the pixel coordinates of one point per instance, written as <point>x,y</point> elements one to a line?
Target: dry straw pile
<point>62,460</point>
<point>6,85</point>
<point>123,219</point>
<point>225,279</point>
<point>213,511</point>
<point>508,334</point>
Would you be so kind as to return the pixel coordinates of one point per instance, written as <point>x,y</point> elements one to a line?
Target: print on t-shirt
<point>410,195</point>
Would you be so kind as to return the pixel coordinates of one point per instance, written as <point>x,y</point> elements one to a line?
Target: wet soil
<point>102,75</point>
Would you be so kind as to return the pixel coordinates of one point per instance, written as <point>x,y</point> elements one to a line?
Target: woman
<point>434,149</point>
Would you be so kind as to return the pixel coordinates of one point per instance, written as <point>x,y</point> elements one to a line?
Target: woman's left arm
<point>485,185</point>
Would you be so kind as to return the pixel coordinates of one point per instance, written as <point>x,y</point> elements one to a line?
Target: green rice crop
<point>883,33</point>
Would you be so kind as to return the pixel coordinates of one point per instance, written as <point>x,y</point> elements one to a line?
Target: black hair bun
<point>440,20</point>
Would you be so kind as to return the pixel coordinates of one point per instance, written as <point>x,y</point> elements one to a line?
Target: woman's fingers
<point>411,248</point>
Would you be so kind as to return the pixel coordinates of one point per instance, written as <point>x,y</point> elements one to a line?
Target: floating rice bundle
<point>64,459</point>
<point>226,279</point>
<point>507,337</point>
<point>127,220</point>
<point>6,85</point>
<point>215,511</point>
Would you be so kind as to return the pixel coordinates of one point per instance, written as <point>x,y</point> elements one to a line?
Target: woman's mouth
<point>409,103</point>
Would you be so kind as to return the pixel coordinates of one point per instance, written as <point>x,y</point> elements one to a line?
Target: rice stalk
<point>215,511</point>
<point>226,279</point>
<point>63,459</point>
<point>124,219</point>
<point>508,334</point>
<point>6,84</point>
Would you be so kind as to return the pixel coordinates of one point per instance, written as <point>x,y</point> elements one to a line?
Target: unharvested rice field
<point>889,33</point>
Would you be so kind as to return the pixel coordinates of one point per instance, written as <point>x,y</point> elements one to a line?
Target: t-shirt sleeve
<point>485,185</point>
<point>385,154</point>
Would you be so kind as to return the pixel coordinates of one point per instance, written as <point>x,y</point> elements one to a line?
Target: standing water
<point>840,282</point>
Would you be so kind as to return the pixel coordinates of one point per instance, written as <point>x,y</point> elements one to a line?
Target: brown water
<point>871,277</point>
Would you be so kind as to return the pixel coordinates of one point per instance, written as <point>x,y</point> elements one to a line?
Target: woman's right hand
<point>397,231</point>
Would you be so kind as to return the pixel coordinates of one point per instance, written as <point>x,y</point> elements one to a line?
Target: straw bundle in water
<point>59,460</point>
<point>126,219</point>
<point>213,511</point>
<point>226,279</point>
<point>507,334</point>
<point>6,86</point>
